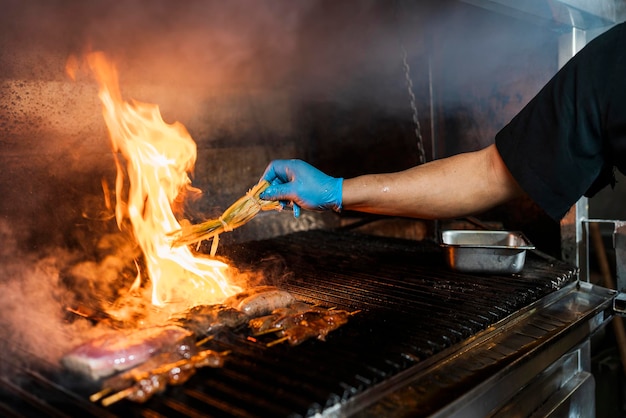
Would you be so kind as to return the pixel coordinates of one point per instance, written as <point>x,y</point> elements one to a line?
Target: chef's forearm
<point>412,193</point>
<point>457,186</point>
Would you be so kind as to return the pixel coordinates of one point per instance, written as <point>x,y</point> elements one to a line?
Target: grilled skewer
<point>299,322</point>
<point>264,309</point>
<point>142,384</point>
<point>209,319</point>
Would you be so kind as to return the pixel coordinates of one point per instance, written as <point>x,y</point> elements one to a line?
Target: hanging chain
<point>409,85</point>
<point>421,154</point>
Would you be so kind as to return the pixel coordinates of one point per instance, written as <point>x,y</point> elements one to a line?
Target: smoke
<point>55,299</point>
<point>32,327</point>
<point>234,73</point>
<point>346,51</point>
<point>244,66</point>
<point>215,46</point>
<point>210,43</point>
<point>227,70</point>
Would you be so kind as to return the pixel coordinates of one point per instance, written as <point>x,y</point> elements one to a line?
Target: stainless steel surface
<point>584,14</point>
<point>572,239</point>
<point>619,241</point>
<point>610,10</point>
<point>564,389</point>
<point>473,251</point>
<point>549,339</point>
<point>619,246</point>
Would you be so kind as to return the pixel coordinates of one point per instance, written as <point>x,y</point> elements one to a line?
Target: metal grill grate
<point>411,308</point>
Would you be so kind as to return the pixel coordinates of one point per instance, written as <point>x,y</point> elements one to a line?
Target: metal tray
<point>485,251</point>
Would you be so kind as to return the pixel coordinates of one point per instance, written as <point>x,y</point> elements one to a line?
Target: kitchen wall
<point>253,81</point>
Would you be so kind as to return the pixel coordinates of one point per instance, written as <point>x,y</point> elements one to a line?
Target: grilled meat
<point>235,299</point>
<point>311,324</point>
<point>208,319</point>
<point>144,381</point>
<point>235,311</point>
<point>122,350</point>
<point>299,322</point>
<point>260,301</point>
<point>148,360</point>
<point>280,317</point>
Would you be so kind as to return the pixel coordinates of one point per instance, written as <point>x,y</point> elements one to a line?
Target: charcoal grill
<point>427,341</point>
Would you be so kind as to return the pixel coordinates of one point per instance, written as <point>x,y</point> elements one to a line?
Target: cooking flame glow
<point>159,158</point>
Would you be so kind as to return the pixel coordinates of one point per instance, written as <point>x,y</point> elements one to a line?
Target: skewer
<point>132,389</point>
<point>200,359</point>
<point>164,368</point>
<point>278,341</point>
<point>267,331</point>
<point>76,312</point>
<point>99,395</point>
<point>118,396</point>
<point>204,340</point>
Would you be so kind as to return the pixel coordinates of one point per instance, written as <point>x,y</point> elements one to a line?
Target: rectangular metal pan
<point>485,251</point>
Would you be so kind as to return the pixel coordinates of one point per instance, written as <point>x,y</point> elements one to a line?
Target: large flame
<point>158,158</point>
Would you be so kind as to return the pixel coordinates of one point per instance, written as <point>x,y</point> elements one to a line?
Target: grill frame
<point>363,364</point>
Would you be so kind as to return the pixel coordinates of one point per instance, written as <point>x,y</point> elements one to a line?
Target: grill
<point>426,340</point>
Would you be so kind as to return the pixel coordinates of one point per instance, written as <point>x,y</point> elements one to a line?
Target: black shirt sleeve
<point>566,141</point>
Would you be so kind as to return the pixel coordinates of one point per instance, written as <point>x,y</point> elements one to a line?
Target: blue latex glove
<point>294,182</point>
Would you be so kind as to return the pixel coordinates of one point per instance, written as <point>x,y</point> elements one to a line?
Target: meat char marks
<point>208,319</point>
<point>153,376</point>
<point>236,310</point>
<point>299,322</point>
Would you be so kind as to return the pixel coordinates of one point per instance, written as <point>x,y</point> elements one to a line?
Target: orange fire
<point>159,158</point>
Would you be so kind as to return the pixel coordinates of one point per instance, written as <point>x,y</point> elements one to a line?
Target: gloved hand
<point>302,185</point>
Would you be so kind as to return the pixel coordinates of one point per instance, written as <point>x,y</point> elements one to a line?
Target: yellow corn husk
<point>238,214</point>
